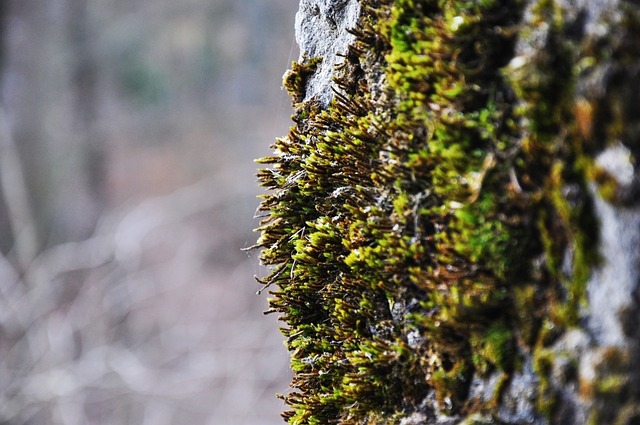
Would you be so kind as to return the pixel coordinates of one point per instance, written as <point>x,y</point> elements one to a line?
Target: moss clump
<point>493,348</point>
<point>418,230</point>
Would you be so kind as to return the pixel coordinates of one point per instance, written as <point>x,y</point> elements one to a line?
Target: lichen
<point>432,226</point>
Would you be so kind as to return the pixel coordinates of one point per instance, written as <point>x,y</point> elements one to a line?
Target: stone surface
<point>322,32</point>
<point>613,288</point>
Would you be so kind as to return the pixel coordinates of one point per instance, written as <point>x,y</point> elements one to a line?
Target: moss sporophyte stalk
<point>431,227</point>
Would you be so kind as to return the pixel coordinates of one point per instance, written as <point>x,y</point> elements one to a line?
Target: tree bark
<point>453,226</point>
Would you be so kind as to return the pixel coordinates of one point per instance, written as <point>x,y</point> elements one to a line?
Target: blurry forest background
<point>128,130</point>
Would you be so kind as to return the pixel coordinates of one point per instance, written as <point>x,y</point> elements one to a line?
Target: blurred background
<point>128,130</point>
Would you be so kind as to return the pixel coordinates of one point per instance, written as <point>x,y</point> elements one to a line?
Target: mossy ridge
<point>418,211</point>
<point>444,71</point>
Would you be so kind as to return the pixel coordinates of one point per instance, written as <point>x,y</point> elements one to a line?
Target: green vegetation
<point>418,232</point>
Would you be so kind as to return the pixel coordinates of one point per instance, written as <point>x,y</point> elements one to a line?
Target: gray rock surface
<point>322,32</point>
<point>613,288</point>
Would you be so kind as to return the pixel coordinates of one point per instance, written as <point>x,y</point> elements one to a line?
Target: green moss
<point>613,385</point>
<point>477,419</point>
<point>493,348</point>
<point>542,364</point>
<point>528,307</point>
<point>449,204</point>
<point>295,79</point>
<point>608,186</point>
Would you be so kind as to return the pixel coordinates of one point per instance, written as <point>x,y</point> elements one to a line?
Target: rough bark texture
<point>454,222</point>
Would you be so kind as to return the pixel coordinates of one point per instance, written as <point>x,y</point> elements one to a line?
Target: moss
<point>438,226</point>
<point>295,80</point>
<point>628,415</point>
<point>608,186</point>
<point>494,347</point>
<point>527,305</point>
<point>547,397</point>
<point>477,419</point>
<point>613,385</point>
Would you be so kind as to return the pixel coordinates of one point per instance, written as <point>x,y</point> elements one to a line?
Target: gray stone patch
<point>613,284</point>
<point>519,400</point>
<point>321,31</point>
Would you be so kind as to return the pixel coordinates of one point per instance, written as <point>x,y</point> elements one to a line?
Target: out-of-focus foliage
<point>127,137</point>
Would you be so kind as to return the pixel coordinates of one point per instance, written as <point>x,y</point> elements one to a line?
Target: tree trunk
<point>49,95</point>
<point>453,226</point>
<point>87,199</point>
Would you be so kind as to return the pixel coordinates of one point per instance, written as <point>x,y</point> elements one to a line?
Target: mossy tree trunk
<point>453,224</point>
